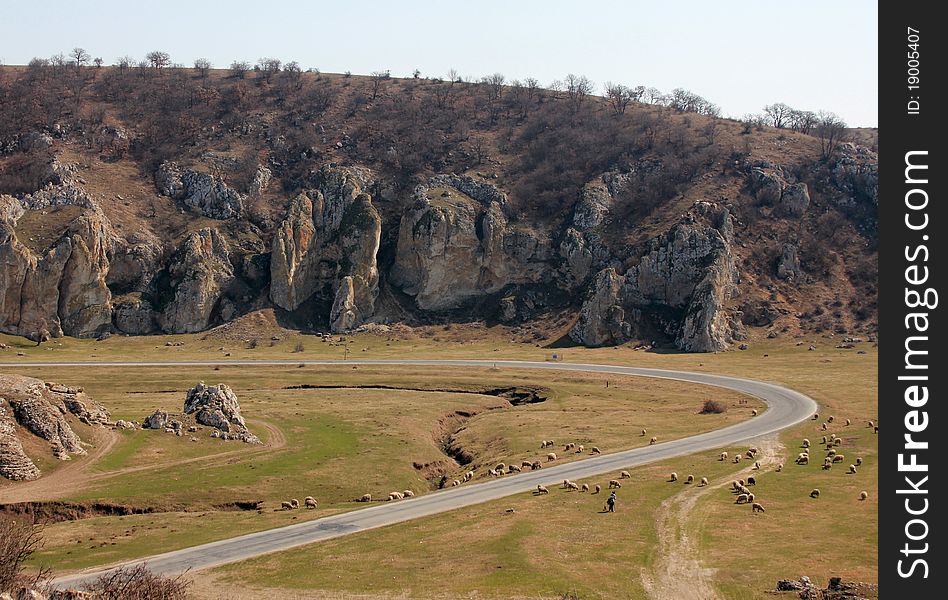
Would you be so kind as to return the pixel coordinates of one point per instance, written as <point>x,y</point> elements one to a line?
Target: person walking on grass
<point>611,502</point>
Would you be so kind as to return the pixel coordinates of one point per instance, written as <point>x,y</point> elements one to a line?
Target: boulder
<point>156,420</point>
<point>207,194</point>
<point>788,265</point>
<point>216,406</point>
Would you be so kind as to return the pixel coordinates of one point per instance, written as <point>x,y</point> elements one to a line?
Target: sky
<point>741,55</point>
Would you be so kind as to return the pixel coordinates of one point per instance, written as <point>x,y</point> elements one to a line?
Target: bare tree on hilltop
<point>239,68</point>
<point>831,130</point>
<point>203,67</point>
<point>80,57</point>
<point>158,59</point>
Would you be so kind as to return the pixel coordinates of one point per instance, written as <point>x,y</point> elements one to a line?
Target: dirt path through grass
<point>677,573</point>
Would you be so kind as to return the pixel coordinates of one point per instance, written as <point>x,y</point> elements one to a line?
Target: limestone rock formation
<point>84,298</point>
<point>134,315</point>
<point>453,247</point>
<point>203,192</point>
<point>679,288</point>
<point>770,185</point>
<point>327,247</point>
<point>788,265</point>
<point>199,273</point>
<point>156,420</point>
<point>41,409</point>
<point>216,406</point>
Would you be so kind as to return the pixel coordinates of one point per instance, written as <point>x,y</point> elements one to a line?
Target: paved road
<point>785,408</point>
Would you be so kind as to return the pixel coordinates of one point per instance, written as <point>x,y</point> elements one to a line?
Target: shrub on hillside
<point>713,407</point>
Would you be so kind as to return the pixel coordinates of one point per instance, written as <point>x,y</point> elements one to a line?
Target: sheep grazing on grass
<point>690,479</point>
<point>585,488</point>
<point>653,440</point>
<point>595,450</point>
<point>500,467</point>
<point>816,416</point>
<point>806,442</point>
<point>741,499</point>
<point>803,459</point>
<point>831,452</point>
<point>723,456</point>
<point>863,495</point>
<point>743,490</point>
<point>411,494</point>
<point>597,489</point>
<point>295,503</point>
<point>468,476</point>
<point>823,427</point>
<point>568,447</point>
<point>815,493</point>
<point>491,473</point>
<point>832,437</point>
<point>551,457</point>
<point>736,485</point>
<point>871,424</point>
<point>737,459</point>
<point>827,466</point>
<point>751,481</point>
<point>824,440</point>
<point>749,454</point>
<point>779,467</point>
<point>365,498</point>
<point>848,422</point>
<point>754,412</point>
<point>546,443</point>
<point>750,497</point>
<point>741,482</point>
<point>830,419</point>
<point>455,483</point>
<point>542,490</point>
<point>757,466</point>
<point>614,483</point>
<point>535,465</point>
<point>396,496</point>
<point>572,486</point>
<point>513,469</point>
<point>580,449</point>
<point>838,442</point>
<point>838,458</point>
<point>858,461</point>
<point>852,469</point>
<point>309,501</point>
<point>875,429</point>
<point>624,475</point>
<point>566,483</point>
<point>704,482</point>
<point>526,464</point>
<point>673,477</point>
<point>753,450</point>
<point>285,505</point>
<point>644,431</point>
<point>757,507</point>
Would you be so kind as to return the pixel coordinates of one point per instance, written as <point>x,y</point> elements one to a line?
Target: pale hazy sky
<point>811,54</point>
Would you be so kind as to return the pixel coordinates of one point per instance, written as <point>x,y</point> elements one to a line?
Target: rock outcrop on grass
<point>216,406</point>
<point>31,406</point>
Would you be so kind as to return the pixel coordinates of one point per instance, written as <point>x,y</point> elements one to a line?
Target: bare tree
<point>293,74</point>
<point>578,88</point>
<point>454,76</point>
<point>621,96</point>
<point>203,67</point>
<point>158,59</point>
<point>269,67</point>
<point>239,69</point>
<point>801,120</point>
<point>778,114</point>
<point>79,57</point>
<point>140,583</point>
<point>831,130</point>
<point>377,78</point>
<point>19,540</point>
<point>124,63</point>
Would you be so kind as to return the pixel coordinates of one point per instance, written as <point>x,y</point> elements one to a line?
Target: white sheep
<point>690,479</point>
<point>396,496</point>
<point>614,483</point>
<point>572,486</point>
<point>832,437</point>
<point>824,440</point>
<point>741,499</point>
<point>309,501</point>
<point>839,458</point>
<point>542,490</point>
<point>749,454</point>
<point>285,505</point>
<point>827,466</point>
<point>803,459</point>
<point>653,440</point>
<point>750,497</point>
<point>863,495</point>
<point>624,475</point>
<point>757,507</point>
<point>597,489</point>
<point>815,493</point>
<point>644,431</point>
<point>753,450</point>
<point>830,419</point>
<point>754,412</point>
<point>838,441</point>
<point>365,498</point>
<point>737,458</point>
<point>806,442</point>
<point>736,485</point>
<point>823,427</point>
<point>595,450</point>
<point>852,469</point>
<point>779,467</point>
<point>723,456</point>
<point>513,469</point>
<point>455,483</point>
<point>858,461</point>
<point>295,503</point>
<point>500,467</point>
<point>585,487</point>
<point>871,424</point>
<point>848,422</point>
<point>526,464</point>
<point>580,449</point>
<point>816,416</point>
<point>535,465</point>
<point>757,466</point>
<point>673,477</point>
<point>704,482</point>
<point>551,457</point>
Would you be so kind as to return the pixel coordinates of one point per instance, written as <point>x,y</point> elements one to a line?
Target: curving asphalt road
<point>785,408</point>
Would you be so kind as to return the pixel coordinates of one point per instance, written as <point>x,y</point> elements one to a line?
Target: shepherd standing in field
<point>611,502</point>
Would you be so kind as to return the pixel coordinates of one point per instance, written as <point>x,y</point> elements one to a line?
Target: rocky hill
<point>140,201</point>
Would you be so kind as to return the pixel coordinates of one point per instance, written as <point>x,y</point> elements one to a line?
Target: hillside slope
<point>139,201</point>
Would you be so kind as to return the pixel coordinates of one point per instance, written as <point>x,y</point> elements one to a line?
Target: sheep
<point>455,483</point>
<point>754,412</point>
<point>735,485</point>
<point>838,441</point>
<point>823,426</point>
<point>832,437</point>
<point>597,489</point>
<point>526,464</point>
<point>690,479</point>
<point>535,465</point>
<point>806,442</point>
<point>551,457</point>
<point>542,490</point>
<point>595,450</point>
<point>653,440</point>
<point>753,450</point>
<point>546,443</point>
<point>396,496</point>
<point>750,497</point>
<point>567,447</point>
<point>741,499</point>
<point>585,487</point>
<point>757,465</point>
<point>827,466</point>
<point>875,429</point>
<point>285,505</point>
<point>830,419</point>
<point>863,495</point>
<point>500,467</point>
<point>803,459</point>
<point>580,449</point>
<point>566,483</point>
<point>743,490</point>
<point>491,473</point>
<point>673,477</point>
<point>831,452</point>
<point>614,483</point>
<point>815,493</point>
<point>779,467</point>
<point>858,461</point>
<point>838,458</point>
<point>737,459</point>
<point>824,440</point>
<point>644,431</point>
<point>513,469</point>
<point>848,422</point>
<point>871,424</point>
<point>723,456</point>
<point>852,469</point>
<point>749,454</point>
<point>751,481</point>
<point>624,475</point>
<point>295,503</point>
<point>309,501</point>
<point>741,482</point>
<point>816,416</point>
<point>468,476</point>
<point>365,498</point>
<point>572,486</point>
<point>757,507</point>
<point>704,482</point>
